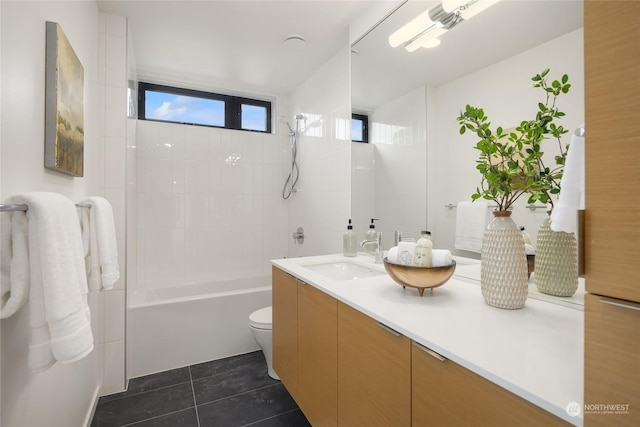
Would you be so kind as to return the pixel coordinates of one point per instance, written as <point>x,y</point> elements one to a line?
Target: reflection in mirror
<point>416,162</point>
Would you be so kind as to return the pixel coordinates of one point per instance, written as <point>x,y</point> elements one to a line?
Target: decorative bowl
<point>420,278</point>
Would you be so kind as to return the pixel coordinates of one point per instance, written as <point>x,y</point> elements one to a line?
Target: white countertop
<point>535,352</point>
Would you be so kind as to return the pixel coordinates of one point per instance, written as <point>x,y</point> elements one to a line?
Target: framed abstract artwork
<point>64,105</point>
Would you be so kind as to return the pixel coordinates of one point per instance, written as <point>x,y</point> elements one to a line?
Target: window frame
<point>365,127</point>
<point>232,106</point>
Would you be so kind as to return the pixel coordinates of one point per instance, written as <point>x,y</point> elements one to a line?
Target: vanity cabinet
<point>612,214</point>
<point>317,355</point>
<point>284,296</point>
<point>374,372</point>
<point>305,346</point>
<point>444,393</point>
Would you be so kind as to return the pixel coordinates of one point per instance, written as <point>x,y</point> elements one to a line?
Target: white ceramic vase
<point>556,269</point>
<point>503,264</point>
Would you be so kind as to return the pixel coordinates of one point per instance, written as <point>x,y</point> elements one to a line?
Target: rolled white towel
<point>441,257</point>
<point>392,255</point>
<point>406,252</point>
<point>529,249</point>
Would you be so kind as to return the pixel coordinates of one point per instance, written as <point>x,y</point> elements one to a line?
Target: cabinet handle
<point>619,304</point>
<point>430,352</point>
<point>300,282</point>
<point>388,329</point>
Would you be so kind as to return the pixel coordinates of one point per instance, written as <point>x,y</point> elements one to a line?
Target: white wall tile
<point>114,367</point>
<point>114,317</point>
<point>116,54</point>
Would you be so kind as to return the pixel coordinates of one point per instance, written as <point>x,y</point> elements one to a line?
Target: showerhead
<point>284,119</point>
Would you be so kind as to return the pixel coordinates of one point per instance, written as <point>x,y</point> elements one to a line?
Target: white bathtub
<point>179,326</point>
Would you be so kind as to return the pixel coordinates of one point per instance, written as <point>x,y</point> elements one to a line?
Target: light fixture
<point>294,42</point>
<point>434,22</point>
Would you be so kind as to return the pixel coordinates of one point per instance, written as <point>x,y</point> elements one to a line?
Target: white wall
<point>64,394</point>
<point>504,91</point>
<point>322,206</point>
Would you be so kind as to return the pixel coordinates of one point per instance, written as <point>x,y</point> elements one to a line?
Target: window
<point>177,105</point>
<point>359,128</point>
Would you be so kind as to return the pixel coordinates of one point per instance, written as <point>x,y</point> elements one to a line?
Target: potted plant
<point>511,164</point>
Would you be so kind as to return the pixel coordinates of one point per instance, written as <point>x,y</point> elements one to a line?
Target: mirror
<point>414,165</point>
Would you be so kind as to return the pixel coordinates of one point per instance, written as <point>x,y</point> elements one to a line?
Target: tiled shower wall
<point>209,203</point>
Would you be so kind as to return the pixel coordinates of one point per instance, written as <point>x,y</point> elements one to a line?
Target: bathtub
<point>173,327</point>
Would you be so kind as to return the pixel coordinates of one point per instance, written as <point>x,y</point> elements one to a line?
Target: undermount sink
<point>344,270</point>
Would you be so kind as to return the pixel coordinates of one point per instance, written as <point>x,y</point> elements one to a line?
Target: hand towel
<point>59,315</point>
<point>471,221</point>
<point>564,215</point>
<point>441,257</point>
<point>103,268</point>
<point>392,255</point>
<point>14,264</point>
<point>406,252</point>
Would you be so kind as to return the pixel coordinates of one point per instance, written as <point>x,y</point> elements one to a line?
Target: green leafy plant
<point>510,161</point>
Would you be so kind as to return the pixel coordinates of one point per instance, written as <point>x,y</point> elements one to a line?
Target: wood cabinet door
<point>285,328</point>
<point>317,356</point>
<point>612,148</point>
<point>374,372</point>
<point>612,362</point>
<point>446,394</point>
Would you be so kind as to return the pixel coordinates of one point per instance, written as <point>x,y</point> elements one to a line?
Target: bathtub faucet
<point>378,243</point>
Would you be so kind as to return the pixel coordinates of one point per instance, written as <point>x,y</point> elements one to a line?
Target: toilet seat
<point>261,319</point>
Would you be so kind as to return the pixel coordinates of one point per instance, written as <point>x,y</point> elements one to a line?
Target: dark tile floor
<point>230,392</point>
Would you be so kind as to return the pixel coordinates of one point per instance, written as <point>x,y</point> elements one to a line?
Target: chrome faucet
<point>378,243</point>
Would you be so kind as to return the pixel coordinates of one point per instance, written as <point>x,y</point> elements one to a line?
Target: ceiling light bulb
<point>431,43</point>
<point>410,30</point>
<point>433,33</point>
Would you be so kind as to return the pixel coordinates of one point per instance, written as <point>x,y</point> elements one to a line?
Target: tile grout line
<point>153,418</point>
<point>193,393</point>
<point>238,394</point>
<point>271,417</point>
<point>144,392</point>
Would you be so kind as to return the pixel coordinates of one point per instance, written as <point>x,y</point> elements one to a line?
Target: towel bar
<point>23,208</point>
<point>453,205</point>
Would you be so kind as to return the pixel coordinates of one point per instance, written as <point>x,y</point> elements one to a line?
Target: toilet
<point>260,324</point>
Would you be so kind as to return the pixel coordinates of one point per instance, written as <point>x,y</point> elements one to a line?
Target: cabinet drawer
<point>446,394</point>
<point>374,372</point>
<point>612,362</point>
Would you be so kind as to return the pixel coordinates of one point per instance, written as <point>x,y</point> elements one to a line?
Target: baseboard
<point>92,409</point>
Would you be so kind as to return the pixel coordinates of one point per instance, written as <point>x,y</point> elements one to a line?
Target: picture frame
<point>64,105</point>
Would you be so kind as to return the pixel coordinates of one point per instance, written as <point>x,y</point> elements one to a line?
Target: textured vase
<point>503,264</point>
<point>556,262</point>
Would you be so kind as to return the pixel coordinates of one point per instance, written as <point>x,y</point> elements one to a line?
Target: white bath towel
<point>565,213</point>
<point>441,257</point>
<point>471,221</point>
<point>14,264</point>
<point>103,268</point>
<point>59,315</point>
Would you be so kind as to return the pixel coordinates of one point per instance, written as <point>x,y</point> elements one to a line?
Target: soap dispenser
<point>525,236</point>
<point>350,242</point>
<point>424,248</point>
<point>371,236</point>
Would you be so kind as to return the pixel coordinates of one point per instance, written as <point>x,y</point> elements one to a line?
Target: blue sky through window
<point>356,130</point>
<point>254,117</point>
<point>184,109</point>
